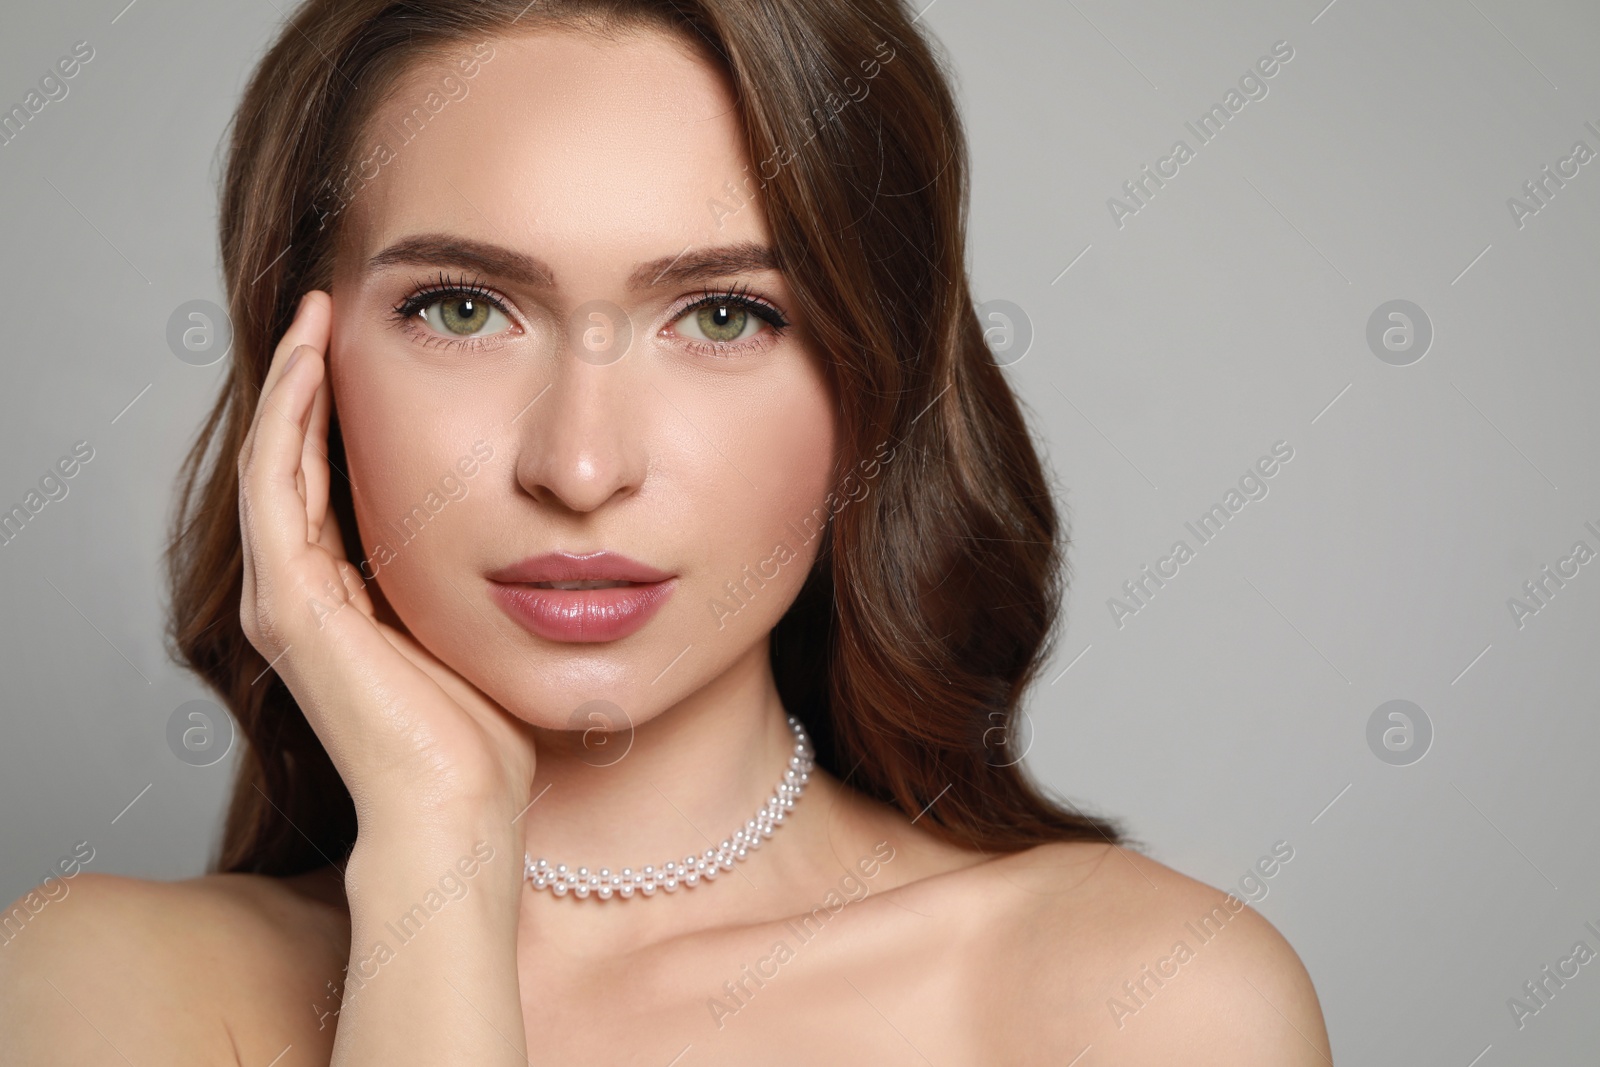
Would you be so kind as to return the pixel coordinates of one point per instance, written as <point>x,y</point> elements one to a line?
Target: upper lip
<point>571,567</point>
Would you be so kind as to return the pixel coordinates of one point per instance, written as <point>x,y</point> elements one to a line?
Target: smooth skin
<point>454,727</point>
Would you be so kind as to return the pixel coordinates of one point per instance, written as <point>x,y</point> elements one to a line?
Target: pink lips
<point>581,615</point>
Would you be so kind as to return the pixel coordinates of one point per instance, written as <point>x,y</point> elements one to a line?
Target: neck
<point>681,783</point>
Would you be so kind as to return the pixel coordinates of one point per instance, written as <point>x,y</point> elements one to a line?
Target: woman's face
<point>519,367</point>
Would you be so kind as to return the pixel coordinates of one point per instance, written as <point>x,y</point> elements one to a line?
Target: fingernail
<point>294,356</point>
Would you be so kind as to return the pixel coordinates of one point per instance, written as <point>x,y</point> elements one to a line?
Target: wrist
<point>411,853</point>
<point>434,821</point>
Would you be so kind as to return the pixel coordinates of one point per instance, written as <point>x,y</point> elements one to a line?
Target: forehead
<point>556,135</point>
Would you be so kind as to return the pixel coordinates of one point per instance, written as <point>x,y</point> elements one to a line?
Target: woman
<point>611,437</point>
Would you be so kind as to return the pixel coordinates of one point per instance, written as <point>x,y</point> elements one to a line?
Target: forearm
<point>432,975</point>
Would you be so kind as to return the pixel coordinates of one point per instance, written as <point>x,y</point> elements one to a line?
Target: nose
<point>582,443</point>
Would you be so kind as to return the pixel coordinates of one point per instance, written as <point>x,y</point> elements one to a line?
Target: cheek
<point>770,491</point>
<point>799,445</point>
<point>402,451</point>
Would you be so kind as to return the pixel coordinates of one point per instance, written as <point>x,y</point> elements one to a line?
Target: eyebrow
<point>690,265</point>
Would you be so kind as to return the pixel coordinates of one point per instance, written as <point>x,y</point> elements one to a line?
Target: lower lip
<point>583,615</point>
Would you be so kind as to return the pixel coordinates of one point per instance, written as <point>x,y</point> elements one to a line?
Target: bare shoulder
<point>220,969</point>
<point>1100,950</point>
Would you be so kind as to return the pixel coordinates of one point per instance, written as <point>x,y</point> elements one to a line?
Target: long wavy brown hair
<point>934,599</point>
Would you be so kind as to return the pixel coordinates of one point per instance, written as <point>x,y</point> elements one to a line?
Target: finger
<point>316,477</point>
<point>355,583</point>
<point>274,507</point>
<point>357,586</point>
<point>315,467</point>
<point>312,325</point>
<point>318,433</point>
<point>449,681</point>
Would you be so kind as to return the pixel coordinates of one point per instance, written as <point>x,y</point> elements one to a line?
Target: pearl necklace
<point>557,878</point>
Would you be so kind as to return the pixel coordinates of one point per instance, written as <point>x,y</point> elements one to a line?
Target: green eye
<point>454,313</point>
<point>729,319</point>
<point>722,322</point>
<point>463,316</point>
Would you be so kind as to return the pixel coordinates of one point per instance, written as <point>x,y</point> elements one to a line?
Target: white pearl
<point>559,879</point>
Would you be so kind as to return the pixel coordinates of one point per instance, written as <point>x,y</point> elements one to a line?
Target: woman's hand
<point>438,772</point>
<point>411,739</point>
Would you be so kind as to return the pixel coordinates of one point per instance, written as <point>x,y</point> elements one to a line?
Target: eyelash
<point>739,296</point>
<point>430,293</point>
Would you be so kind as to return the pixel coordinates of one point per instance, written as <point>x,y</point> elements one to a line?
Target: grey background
<point>1229,313</point>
